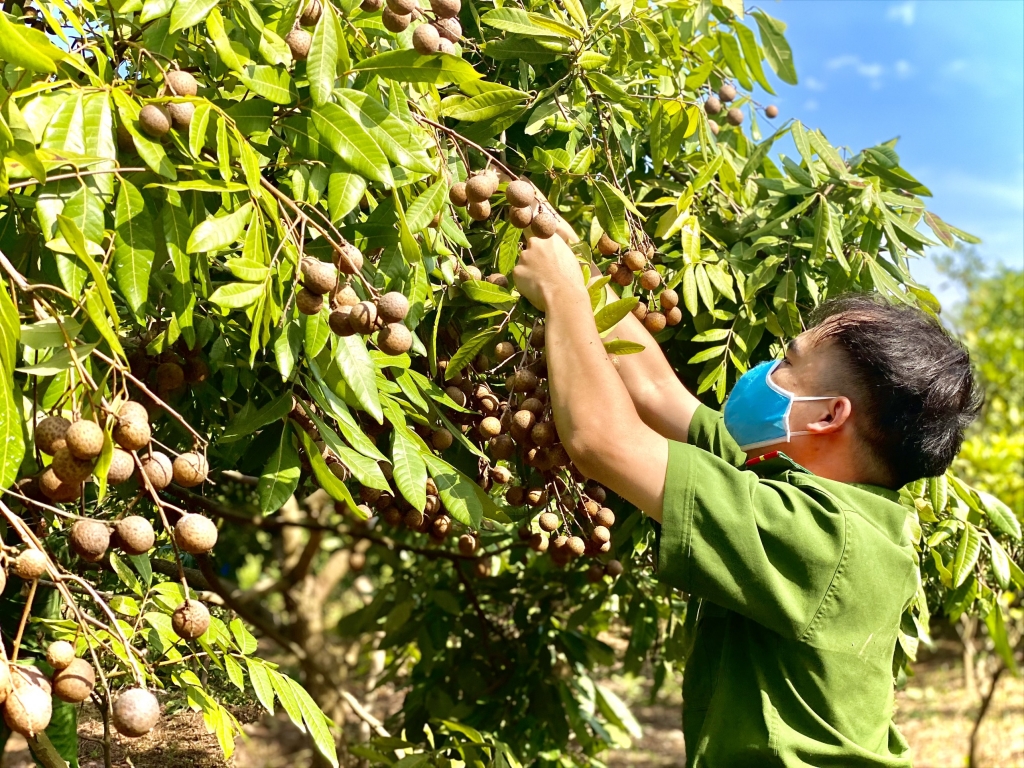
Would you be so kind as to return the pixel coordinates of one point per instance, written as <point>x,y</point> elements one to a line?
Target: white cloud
<point>902,12</point>
<point>871,71</point>
<point>811,105</point>
<point>904,69</point>
<point>956,65</point>
<point>814,84</point>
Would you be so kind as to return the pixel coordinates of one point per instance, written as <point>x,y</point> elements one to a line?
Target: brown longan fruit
<point>132,435</point>
<point>339,323</point>
<point>457,194</point>
<point>154,121</point>
<point>613,568</point>
<point>59,654</point>
<point>393,307</point>
<point>190,620</point>
<point>668,299</point>
<point>674,316</point>
<point>414,519</point>
<point>479,210</point>
<point>467,544</point>
<point>311,13</point>
<point>451,30</point>
<point>533,405</point>
<point>445,46</point>
<point>56,490</point>
<point>713,105</point>
<point>544,225</point>
<point>654,322</point>
<point>544,434</point>
<point>595,573</point>
<point>394,339</point>
<point>536,497</point>
<point>135,712</point>
<point>134,535</point>
<point>470,272</point>
<point>158,468</point>
<point>500,475</point>
<point>714,127</point>
<point>539,542</point>
<point>633,260</point>
<point>481,186</point>
<point>727,92</point>
<point>503,350</point>
<point>606,246</point>
<point>650,280</point>
<point>524,381</point>
<point>639,312</point>
<point>371,6</point>
<point>74,683</point>
<point>591,507</point>
<point>195,534</point>
<point>771,111</point>
<point>363,317</point>
<point>299,41</point>
<point>523,422</point>
<point>516,496</point>
<point>132,410</point>
<point>308,302</point>
<point>69,469</point>
<point>190,469</point>
<point>29,565</point>
<point>344,296</point>
<point>549,522</point>
<point>520,194</point>
<point>440,527</point>
<point>456,395</point>
<point>395,22</point>
<point>501,447</point>
<point>28,710</point>
<point>318,276</point>
<point>441,438</point>
<point>596,492</point>
<point>601,534</point>
<point>28,676</point>
<point>122,467</point>
<point>605,517</point>
<point>89,539</point>
<point>170,376</point>
<point>520,218</point>
<point>402,7</point>
<point>622,276</point>
<point>348,259</point>
<point>734,116</point>
<point>490,427</point>
<point>576,545</point>
<point>181,83</point>
<point>181,113</point>
<point>425,39</point>
<point>446,9</point>
<point>50,434</point>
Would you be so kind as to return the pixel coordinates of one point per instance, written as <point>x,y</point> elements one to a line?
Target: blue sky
<point>945,76</point>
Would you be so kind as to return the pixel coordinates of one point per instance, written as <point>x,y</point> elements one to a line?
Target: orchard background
<point>249,219</point>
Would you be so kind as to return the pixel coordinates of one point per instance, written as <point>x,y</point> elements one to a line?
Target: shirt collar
<point>774,462</point>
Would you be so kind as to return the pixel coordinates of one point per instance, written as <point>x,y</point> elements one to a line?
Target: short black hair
<point>908,378</point>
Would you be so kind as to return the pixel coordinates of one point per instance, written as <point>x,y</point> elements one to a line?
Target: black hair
<point>910,381</point>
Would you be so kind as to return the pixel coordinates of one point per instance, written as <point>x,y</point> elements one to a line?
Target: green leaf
<point>776,49</point>
<point>411,67</point>
<point>752,55</point>
<point>487,293</point>
<point>611,212</point>
<point>426,206</point>
<point>188,13</point>
<point>967,551</point>
<point>352,143</point>
<point>286,695</point>
<point>529,24</point>
<point>134,245</point>
<point>464,499</point>
<point>272,83</point>
<point>1000,514</point>
<point>280,475</point>
<point>483,106</point>
<point>237,295</point>
<point>623,347</point>
<point>322,65</point>
<point>261,684</point>
<point>609,315</point>
<point>327,480</point>
<point>822,228</point>
<point>616,711</point>
<point>403,143</point>
<point>12,442</point>
<point>317,724</point>
<point>408,468</point>
<point>469,349</point>
<point>344,191</point>
<point>73,235</point>
<point>730,48</point>
<point>28,48</point>
<point>1000,562</point>
<point>218,232</point>
<point>357,369</point>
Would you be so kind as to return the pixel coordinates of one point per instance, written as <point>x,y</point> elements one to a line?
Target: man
<point>780,519</point>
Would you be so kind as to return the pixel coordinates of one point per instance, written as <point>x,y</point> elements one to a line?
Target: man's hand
<point>547,268</point>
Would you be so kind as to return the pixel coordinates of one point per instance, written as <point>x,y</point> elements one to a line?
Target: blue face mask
<point>757,411</point>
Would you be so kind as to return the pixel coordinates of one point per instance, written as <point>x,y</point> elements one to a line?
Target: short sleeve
<point>708,432</point>
<point>767,549</point>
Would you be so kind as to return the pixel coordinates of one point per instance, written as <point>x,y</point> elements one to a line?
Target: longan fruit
<point>311,13</point>
<point>50,434</point>
<point>190,469</point>
<point>524,381</point>
<point>500,475</point>
<point>371,6</point>
<point>339,323</point>
<point>363,317</point>
<point>457,194</point>
<point>308,302</point>
<point>451,30</point>
<point>539,542</point>
<point>621,276</point>
<point>536,497</point>
<point>674,316</point>
<point>650,280</point>
<point>136,711</point>
<point>771,111</point>
<point>544,225</point>
<point>544,434</point>
<point>425,39</point>
<point>196,370</point>
<point>467,544</point>
<point>613,568</point>
<point>440,527</point>
<point>74,683</point>
<point>523,422</point>
<point>668,299</point>
<point>195,534</point>
<point>394,339</point>
<point>69,469</point>
<point>414,519</point>
<point>654,322</point>
<point>190,620</point>
<point>154,121</point>
<point>520,218</point>
<point>601,534</point>
<point>28,710</point>
<point>132,435</point>
<point>56,490</point>
<point>734,116</point>
<point>393,307</point>
<point>596,492</point>
<point>595,573</point>
<point>515,496</point>
<point>549,522</point>
<point>481,187</point>
<point>89,539</point>
<point>456,395</point>
<point>727,92</point>
<point>713,105</point>
<point>395,22</point>
<point>318,276</point>
<point>714,128</point>
<point>348,259</point>
<point>158,468</point>
<point>470,272</point>
<point>181,113</point>
<point>520,194</point>
<point>182,83</point>
<point>591,507</point>
<point>503,350</point>
<point>479,210</point>
<point>576,545</point>
<point>639,312</point>
<point>633,260</point>
<point>501,447</point>
<point>606,246</point>
<point>132,410</point>
<point>441,438</point>
<point>170,376</point>
<point>498,279</point>
<point>446,9</point>
<point>490,427</point>
<point>444,45</point>
<point>401,7</point>
<point>134,535</point>
<point>29,565</point>
<point>605,517</point>
<point>344,296</point>
<point>393,516</point>
<point>298,42</point>
<point>59,654</point>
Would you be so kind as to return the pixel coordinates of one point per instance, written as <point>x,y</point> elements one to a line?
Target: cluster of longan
<point>156,119</point>
<point>298,39</point>
<point>631,263</point>
<point>524,209</point>
<point>734,116</point>
<point>436,36</point>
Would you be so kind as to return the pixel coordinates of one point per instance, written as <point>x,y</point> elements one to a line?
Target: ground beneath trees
<point>935,714</point>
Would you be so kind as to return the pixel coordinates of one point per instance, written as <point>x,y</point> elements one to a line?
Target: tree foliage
<point>169,267</point>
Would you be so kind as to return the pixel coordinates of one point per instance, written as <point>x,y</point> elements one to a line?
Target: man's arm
<point>594,413</point>
<point>661,400</point>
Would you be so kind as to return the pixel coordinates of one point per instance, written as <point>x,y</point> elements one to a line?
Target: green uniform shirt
<point>799,584</point>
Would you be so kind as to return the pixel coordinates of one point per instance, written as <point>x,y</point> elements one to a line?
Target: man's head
<point>904,388</point>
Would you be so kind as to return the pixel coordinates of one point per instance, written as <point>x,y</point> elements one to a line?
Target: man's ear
<point>839,412</point>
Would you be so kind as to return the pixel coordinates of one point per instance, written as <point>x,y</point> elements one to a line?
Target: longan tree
<point>266,371</point>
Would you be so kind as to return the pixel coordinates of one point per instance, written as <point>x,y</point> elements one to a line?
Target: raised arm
<point>660,399</point>
<point>594,413</point>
